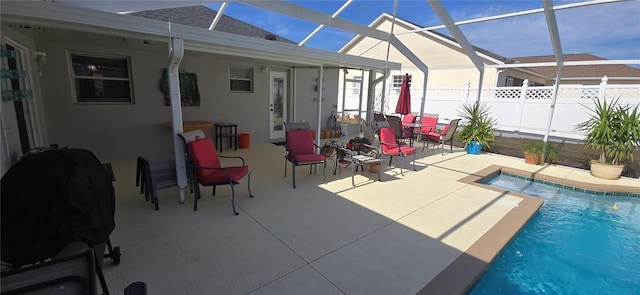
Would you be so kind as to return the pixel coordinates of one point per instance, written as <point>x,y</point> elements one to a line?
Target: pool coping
<point>463,273</point>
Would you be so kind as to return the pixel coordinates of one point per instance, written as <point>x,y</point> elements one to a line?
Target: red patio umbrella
<point>404,101</point>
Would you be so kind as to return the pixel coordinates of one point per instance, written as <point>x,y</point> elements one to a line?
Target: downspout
<point>557,50</point>
<point>176,52</point>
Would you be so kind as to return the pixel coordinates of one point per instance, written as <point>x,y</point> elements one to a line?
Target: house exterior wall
<point>118,131</point>
<point>306,100</point>
<point>448,65</point>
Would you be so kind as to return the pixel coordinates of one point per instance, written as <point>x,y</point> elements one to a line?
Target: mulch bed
<point>569,154</point>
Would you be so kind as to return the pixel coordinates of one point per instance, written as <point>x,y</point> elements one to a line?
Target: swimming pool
<point>576,244</point>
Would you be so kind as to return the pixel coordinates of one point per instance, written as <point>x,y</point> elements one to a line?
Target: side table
<point>226,129</point>
<point>359,160</point>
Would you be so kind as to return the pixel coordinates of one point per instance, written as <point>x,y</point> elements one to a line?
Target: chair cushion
<point>409,119</point>
<point>212,176</point>
<point>308,158</point>
<point>405,150</point>
<point>434,136</point>
<point>203,154</point>
<point>400,150</point>
<point>300,142</point>
<point>431,123</point>
<point>388,140</point>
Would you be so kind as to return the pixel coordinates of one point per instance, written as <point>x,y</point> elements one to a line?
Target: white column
<point>603,88</point>
<point>523,99</point>
<point>466,92</point>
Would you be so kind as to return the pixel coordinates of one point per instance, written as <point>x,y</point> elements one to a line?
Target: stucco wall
<point>127,131</point>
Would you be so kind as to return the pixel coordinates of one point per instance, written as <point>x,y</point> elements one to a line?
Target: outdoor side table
<point>228,130</point>
<point>358,160</point>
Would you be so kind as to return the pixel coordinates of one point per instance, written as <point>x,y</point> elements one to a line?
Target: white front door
<point>278,104</point>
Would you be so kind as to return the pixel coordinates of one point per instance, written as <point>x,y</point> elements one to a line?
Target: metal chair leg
<point>233,199</point>
<point>249,184</point>
<point>293,167</point>
<point>196,196</point>
<point>414,162</point>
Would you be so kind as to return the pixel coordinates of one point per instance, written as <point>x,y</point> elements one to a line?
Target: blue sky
<point>610,31</point>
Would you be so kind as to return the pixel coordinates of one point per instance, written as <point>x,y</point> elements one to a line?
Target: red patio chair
<point>391,148</point>
<point>293,126</point>
<point>302,151</point>
<point>442,137</point>
<point>429,125</point>
<point>208,171</point>
<point>407,132</point>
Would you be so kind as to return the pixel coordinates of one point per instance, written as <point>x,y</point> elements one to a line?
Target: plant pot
<point>606,171</point>
<point>474,148</point>
<point>532,158</point>
<point>373,168</point>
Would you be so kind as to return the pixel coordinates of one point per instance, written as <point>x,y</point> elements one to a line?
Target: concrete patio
<point>405,235</point>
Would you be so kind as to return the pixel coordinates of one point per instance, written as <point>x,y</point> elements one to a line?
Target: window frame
<point>398,84</point>
<point>74,78</point>
<point>356,85</point>
<point>233,79</point>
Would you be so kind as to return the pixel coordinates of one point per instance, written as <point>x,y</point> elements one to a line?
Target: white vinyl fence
<point>522,110</point>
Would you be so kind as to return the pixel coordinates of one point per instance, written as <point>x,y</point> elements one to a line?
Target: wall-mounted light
<point>41,59</point>
<point>41,56</point>
<point>265,70</point>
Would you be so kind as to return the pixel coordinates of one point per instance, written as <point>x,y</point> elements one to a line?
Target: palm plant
<point>369,129</point>
<point>479,124</point>
<point>545,150</point>
<point>612,129</point>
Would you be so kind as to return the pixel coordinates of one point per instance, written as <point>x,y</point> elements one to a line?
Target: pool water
<point>576,244</point>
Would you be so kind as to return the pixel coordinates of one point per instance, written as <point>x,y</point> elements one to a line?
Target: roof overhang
<point>196,39</point>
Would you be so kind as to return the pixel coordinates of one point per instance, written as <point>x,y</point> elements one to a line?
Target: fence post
<point>466,95</point>
<point>603,88</point>
<point>523,98</point>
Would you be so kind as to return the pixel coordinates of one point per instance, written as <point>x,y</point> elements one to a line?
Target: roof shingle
<point>202,16</point>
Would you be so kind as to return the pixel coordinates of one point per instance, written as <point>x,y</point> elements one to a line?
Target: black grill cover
<point>51,199</point>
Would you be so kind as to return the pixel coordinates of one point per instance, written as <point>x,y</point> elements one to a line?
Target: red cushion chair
<point>302,151</point>
<point>444,136</point>
<point>429,125</point>
<point>207,171</point>
<point>390,148</point>
<point>407,132</point>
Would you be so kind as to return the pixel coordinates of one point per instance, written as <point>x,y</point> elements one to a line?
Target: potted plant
<point>328,147</point>
<point>478,130</point>
<point>538,152</point>
<point>614,131</point>
<point>368,130</point>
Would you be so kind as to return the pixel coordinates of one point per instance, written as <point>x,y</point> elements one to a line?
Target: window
<point>101,78</point>
<point>517,82</point>
<point>397,81</point>
<point>356,85</point>
<point>240,79</point>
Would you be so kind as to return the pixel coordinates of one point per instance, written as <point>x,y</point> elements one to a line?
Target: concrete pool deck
<point>404,235</point>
